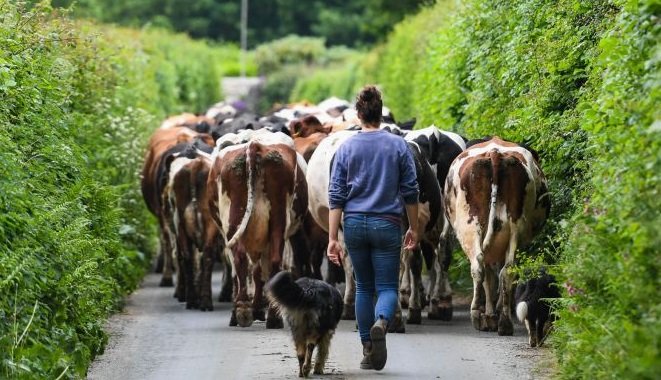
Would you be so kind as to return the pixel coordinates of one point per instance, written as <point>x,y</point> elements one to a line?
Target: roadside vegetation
<point>577,80</point>
<point>580,82</point>
<point>77,104</point>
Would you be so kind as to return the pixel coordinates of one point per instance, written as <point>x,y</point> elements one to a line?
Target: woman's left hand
<point>410,239</point>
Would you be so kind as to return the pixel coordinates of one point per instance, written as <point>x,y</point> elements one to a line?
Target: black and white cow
<point>438,148</point>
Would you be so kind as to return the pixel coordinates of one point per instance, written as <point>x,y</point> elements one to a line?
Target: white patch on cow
<point>318,175</point>
<point>349,114</point>
<point>176,121</point>
<point>333,102</point>
<point>393,127</point>
<point>227,138</point>
<point>266,137</point>
<point>300,161</point>
<point>427,132</point>
<point>220,108</point>
<point>176,165</point>
<point>456,138</point>
<point>286,113</point>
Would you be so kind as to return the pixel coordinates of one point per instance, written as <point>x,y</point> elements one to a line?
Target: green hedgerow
<point>77,104</point>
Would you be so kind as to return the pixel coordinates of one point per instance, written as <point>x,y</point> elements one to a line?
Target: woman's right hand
<point>335,252</point>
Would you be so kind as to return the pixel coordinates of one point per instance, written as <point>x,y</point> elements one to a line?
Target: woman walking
<point>372,182</point>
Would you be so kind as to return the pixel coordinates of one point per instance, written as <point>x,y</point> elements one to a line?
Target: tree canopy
<point>352,23</point>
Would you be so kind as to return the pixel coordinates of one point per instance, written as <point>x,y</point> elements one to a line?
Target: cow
<point>430,226</point>
<point>496,200</point>
<point>153,180</point>
<point>533,308</point>
<point>318,178</point>
<point>198,241</point>
<point>306,126</point>
<point>439,148</point>
<point>258,199</point>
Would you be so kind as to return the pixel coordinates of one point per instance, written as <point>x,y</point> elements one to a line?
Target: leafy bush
<point>290,50</point>
<point>340,81</point>
<point>77,103</point>
<point>578,81</point>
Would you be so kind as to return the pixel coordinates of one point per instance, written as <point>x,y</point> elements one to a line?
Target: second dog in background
<point>312,309</point>
<point>533,309</point>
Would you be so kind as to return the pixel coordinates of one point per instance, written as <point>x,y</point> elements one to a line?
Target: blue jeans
<point>374,246</point>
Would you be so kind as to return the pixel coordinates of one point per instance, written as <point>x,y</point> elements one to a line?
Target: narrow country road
<point>157,338</point>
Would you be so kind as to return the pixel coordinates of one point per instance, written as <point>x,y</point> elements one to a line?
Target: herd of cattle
<point>252,193</point>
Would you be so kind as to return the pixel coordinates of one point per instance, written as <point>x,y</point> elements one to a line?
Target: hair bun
<point>369,93</point>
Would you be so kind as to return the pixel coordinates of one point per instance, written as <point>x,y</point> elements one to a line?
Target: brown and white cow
<point>198,240</point>
<point>154,179</point>
<point>496,200</point>
<point>258,199</point>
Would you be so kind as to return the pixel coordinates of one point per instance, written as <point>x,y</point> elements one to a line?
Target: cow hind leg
<point>242,313</point>
<point>505,326</point>
<point>404,278</point>
<point>349,307</point>
<point>477,273</point>
<point>440,303</point>
<point>489,320</point>
<point>208,258</point>
<point>226,290</point>
<point>259,303</point>
<point>166,252</point>
<point>415,304</point>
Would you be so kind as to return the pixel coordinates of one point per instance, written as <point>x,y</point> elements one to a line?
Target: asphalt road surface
<point>155,337</point>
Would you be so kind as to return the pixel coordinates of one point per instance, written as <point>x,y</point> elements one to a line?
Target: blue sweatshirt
<point>374,173</point>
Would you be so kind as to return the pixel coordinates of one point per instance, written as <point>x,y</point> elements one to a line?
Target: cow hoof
<point>259,315</point>
<point>274,323</point>
<point>166,283</point>
<point>415,317</point>
<point>475,319</point>
<point>206,304</point>
<point>440,309</point>
<point>206,308</point>
<point>348,312</point>
<point>244,315</point>
<point>233,321</point>
<point>505,327</point>
<point>488,323</point>
<point>397,325</point>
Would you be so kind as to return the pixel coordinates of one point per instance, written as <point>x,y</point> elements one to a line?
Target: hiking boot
<point>378,336</point>
<point>366,363</point>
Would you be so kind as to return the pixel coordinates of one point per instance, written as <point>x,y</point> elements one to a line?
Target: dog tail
<point>284,291</point>
<point>522,311</point>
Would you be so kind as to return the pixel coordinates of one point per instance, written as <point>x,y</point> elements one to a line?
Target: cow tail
<point>251,158</point>
<point>494,156</point>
